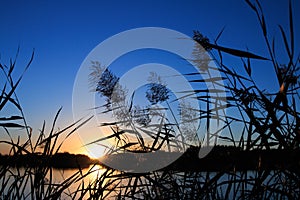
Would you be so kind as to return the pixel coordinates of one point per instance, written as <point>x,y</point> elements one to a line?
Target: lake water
<point>182,179</point>
<point>13,181</point>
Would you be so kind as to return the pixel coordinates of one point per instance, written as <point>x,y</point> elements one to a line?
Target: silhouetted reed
<point>269,120</point>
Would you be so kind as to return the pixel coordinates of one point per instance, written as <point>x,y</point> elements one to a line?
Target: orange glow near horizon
<point>75,145</point>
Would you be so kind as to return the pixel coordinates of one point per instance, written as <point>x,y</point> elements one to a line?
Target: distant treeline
<point>58,160</point>
<point>220,158</point>
<point>227,158</point>
<point>233,158</point>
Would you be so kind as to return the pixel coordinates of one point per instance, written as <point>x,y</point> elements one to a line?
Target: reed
<point>30,182</point>
<point>268,121</point>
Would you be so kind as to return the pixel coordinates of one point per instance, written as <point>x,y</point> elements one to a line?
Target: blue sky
<point>64,32</point>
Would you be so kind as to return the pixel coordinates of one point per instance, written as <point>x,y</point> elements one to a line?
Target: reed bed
<point>268,121</point>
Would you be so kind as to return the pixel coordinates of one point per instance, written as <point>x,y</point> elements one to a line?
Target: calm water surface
<point>60,175</point>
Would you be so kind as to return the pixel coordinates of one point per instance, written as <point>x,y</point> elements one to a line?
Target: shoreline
<point>221,158</point>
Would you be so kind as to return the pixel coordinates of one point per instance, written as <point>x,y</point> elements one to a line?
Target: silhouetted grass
<point>268,121</point>
<point>30,182</point>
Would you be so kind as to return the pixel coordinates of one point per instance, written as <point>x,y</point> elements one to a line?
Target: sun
<point>95,151</point>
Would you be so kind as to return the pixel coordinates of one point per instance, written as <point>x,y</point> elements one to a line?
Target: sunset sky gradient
<point>64,32</point>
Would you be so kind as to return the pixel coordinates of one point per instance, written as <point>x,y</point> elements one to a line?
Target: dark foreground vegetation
<point>268,143</point>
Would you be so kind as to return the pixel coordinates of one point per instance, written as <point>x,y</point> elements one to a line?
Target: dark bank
<point>58,160</point>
